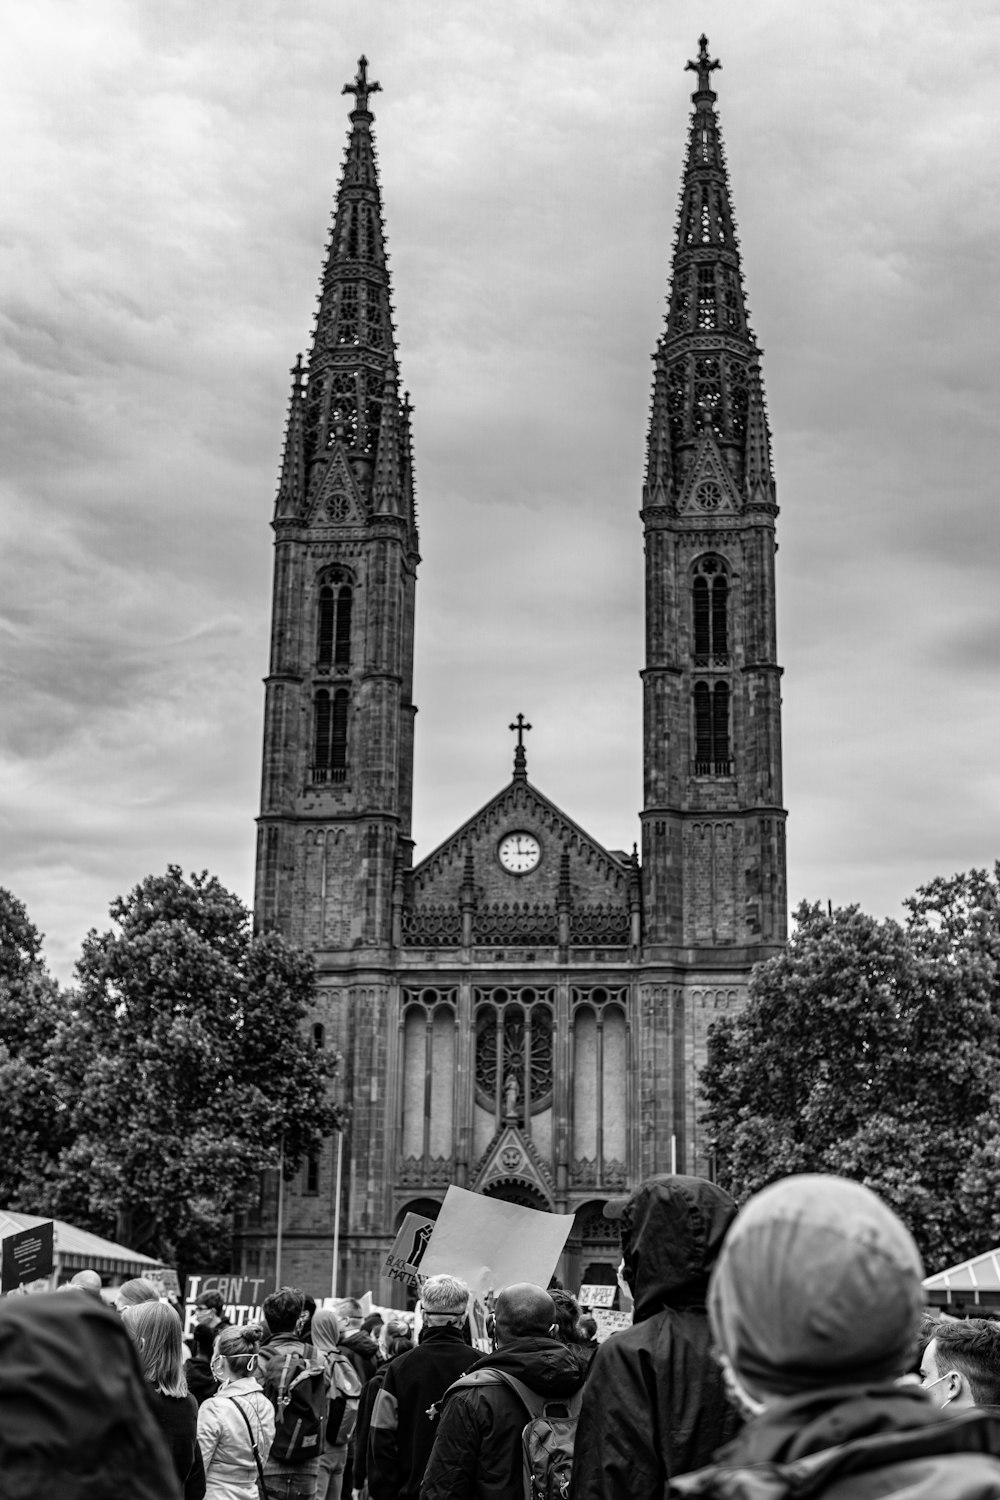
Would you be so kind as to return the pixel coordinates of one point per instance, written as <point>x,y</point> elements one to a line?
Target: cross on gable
<point>520,727</point>
<point>704,65</point>
<point>361,88</point>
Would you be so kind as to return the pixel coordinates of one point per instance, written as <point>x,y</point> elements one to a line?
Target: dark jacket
<point>362,1351</point>
<point>360,1437</point>
<point>74,1419</point>
<point>177,1419</point>
<point>477,1452</point>
<point>402,1428</point>
<point>861,1442</point>
<point>654,1404</point>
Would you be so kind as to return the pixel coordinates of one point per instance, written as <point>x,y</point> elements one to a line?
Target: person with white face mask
<point>235,1426</point>
<point>961,1365</point>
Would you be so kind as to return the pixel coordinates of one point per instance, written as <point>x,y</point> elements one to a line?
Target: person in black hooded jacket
<point>655,1404</point>
<point>477,1452</point>
<point>74,1420</point>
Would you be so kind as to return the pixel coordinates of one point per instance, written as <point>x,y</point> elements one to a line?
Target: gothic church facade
<point>520,1011</point>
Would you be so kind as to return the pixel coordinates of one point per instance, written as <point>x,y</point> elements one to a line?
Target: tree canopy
<point>177,1069</point>
<point>30,1008</point>
<point>871,1049</point>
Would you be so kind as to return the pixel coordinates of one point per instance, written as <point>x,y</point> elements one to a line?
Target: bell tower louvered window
<point>711,729</point>
<point>330,735</point>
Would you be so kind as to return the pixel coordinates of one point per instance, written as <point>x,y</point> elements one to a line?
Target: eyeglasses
<point>928,1385</point>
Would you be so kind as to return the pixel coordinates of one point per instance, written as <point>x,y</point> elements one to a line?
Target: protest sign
<point>596,1296</point>
<point>243,1296</point>
<point>609,1322</point>
<point>492,1244</point>
<point>164,1278</point>
<point>28,1255</point>
<point>404,1259</point>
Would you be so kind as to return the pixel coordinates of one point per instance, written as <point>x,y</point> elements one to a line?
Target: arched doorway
<point>517,1190</point>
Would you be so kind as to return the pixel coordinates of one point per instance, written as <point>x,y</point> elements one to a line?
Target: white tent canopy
<point>78,1249</point>
<point>980,1274</point>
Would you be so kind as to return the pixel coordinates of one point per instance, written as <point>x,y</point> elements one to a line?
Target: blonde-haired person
<point>133,1293</point>
<point>156,1331</point>
<point>236,1419</point>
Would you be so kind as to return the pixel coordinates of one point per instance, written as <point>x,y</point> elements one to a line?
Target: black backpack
<point>295,1384</point>
<point>548,1436</point>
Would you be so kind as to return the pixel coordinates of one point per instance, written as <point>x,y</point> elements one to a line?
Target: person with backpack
<point>507,1427</point>
<point>294,1380</point>
<point>343,1390</point>
<point>402,1425</point>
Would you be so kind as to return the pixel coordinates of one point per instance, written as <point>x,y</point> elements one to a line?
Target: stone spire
<point>706,378</point>
<point>339,408</point>
<point>291,485</point>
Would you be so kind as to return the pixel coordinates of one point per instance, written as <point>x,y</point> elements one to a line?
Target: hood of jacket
<point>361,1342</point>
<point>863,1435</point>
<point>544,1365</point>
<point>672,1229</point>
<point>818,1285</point>
<point>74,1416</point>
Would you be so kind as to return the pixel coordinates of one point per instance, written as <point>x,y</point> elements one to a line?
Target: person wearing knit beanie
<point>814,1305</point>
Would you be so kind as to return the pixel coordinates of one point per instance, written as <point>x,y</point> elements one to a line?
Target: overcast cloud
<point>169,174</point>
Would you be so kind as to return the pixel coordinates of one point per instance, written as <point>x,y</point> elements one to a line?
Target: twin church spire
<point>347,444</point>
<point>707,390</point>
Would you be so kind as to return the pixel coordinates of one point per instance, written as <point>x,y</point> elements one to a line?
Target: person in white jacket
<point>235,1420</point>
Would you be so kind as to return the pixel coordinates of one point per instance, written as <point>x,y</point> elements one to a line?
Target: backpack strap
<point>253,1446</point>
<point>533,1403</point>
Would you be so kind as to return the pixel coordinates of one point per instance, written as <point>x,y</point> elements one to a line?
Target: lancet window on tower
<point>710,608</point>
<point>708,394</point>
<point>335,604</point>
<point>330,712</point>
<point>711,729</point>
<point>343,419</point>
<point>707,310</point>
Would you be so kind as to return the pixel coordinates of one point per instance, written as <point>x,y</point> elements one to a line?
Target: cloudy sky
<point>169,172</point>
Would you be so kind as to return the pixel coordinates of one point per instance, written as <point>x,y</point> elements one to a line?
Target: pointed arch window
<point>707,312</point>
<point>710,612</point>
<point>711,729</point>
<point>335,604</point>
<point>330,716</point>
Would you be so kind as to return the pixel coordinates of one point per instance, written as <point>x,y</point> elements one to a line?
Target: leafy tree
<point>183,1068</point>
<point>30,1011</point>
<point>870,1049</point>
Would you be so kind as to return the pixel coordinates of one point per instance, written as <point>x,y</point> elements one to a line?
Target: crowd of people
<point>782,1351</point>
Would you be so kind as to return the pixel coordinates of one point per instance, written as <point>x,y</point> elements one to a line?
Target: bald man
<point>87,1281</point>
<point>477,1451</point>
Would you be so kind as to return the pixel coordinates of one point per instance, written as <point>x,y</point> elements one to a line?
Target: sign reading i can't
<point>242,1296</point>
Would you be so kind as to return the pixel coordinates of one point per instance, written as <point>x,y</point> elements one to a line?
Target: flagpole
<point>281,1207</point>
<point>336,1214</point>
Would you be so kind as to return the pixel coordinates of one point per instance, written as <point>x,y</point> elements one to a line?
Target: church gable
<point>708,489</point>
<point>511,1160</point>
<point>335,498</point>
<point>524,873</point>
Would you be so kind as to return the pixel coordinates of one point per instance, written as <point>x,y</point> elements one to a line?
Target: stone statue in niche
<point>510,1094</point>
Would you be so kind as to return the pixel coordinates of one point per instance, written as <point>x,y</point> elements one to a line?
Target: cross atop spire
<point>361,88</point>
<point>520,727</point>
<point>704,67</point>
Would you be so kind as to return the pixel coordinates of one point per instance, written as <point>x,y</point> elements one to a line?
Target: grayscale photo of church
<point>520,1011</point>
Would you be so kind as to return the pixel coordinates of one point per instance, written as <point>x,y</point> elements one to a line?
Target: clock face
<point>519,852</point>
